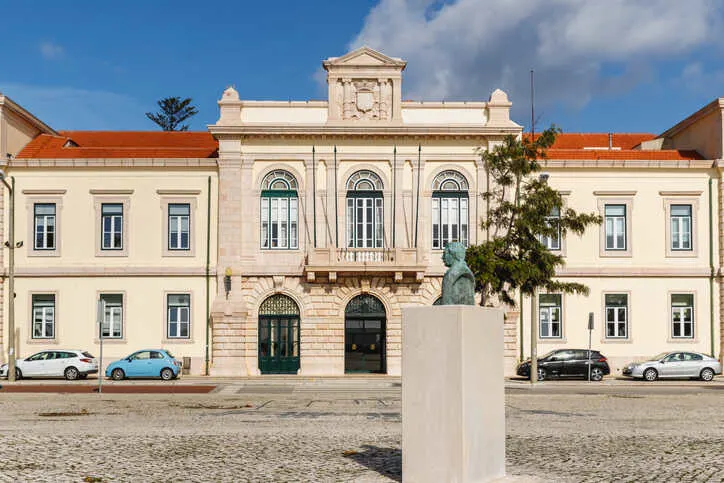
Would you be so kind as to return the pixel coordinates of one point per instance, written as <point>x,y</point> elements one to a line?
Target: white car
<point>70,364</point>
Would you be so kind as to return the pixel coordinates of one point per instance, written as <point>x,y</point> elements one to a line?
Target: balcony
<point>396,261</point>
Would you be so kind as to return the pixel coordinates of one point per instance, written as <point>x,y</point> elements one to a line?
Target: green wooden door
<point>279,336</point>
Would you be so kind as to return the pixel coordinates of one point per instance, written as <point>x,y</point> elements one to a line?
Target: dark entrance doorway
<point>364,335</point>
<point>278,335</point>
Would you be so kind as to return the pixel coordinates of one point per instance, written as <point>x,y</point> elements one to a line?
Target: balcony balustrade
<point>397,261</point>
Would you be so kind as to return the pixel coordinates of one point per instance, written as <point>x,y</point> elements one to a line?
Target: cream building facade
<point>320,220</point>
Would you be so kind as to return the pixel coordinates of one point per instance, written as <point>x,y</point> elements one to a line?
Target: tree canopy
<point>519,214</point>
<point>172,112</point>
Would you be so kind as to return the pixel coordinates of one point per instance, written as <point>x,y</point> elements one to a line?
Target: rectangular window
<point>112,325</point>
<point>682,316</point>
<point>44,226</point>
<point>680,227</point>
<point>615,227</point>
<point>43,316</point>
<point>553,242</point>
<point>365,227</point>
<point>279,222</point>
<point>179,222</point>
<point>616,316</point>
<point>449,220</point>
<point>112,226</point>
<point>179,316</point>
<point>549,309</point>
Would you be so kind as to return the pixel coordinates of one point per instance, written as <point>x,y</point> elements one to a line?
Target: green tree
<point>172,112</point>
<point>519,214</point>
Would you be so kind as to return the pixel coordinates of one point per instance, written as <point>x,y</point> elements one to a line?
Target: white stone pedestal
<point>453,401</point>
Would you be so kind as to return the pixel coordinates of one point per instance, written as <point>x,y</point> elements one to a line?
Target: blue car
<point>145,363</point>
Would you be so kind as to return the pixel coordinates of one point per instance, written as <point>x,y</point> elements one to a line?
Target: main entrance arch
<point>364,335</point>
<point>279,335</point>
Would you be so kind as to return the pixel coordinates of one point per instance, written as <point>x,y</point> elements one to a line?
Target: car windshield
<point>658,357</point>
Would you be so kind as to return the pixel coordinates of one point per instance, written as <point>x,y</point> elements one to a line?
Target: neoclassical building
<point>288,237</point>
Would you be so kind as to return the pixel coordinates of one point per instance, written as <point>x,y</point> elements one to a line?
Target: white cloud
<point>467,48</point>
<point>51,51</point>
<point>69,108</point>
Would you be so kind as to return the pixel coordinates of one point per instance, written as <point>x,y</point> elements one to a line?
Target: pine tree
<point>173,111</point>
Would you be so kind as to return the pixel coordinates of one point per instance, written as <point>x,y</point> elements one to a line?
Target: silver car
<point>674,365</point>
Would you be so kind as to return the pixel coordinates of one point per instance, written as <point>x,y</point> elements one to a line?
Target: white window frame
<point>179,232</point>
<point>616,198</point>
<point>552,243</point>
<point>113,217</point>
<point>45,227</point>
<point>545,317</point>
<point>450,209</point>
<point>681,310</point>
<point>111,314</point>
<point>279,211</point>
<point>45,310</point>
<point>173,316</point>
<point>616,310</point>
<point>676,228</point>
<point>615,219</point>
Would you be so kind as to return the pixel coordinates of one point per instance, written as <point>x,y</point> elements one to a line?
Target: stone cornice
<point>116,163</point>
<point>128,271</point>
<point>628,164</point>
<point>360,130</point>
<point>617,272</point>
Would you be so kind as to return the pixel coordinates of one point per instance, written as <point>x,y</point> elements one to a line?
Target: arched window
<point>365,210</point>
<point>449,209</point>
<point>279,211</point>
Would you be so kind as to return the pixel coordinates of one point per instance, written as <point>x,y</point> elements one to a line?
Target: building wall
<point>145,271</point>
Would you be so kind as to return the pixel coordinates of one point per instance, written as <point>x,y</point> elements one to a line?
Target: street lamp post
<point>534,314</point>
<point>12,245</point>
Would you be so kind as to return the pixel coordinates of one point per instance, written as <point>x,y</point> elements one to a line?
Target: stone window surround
<point>616,340</point>
<point>177,340</point>
<point>615,198</point>
<point>101,197</point>
<point>192,201</point>
<point>552,340</point>
<point>124,330</point>
<point>29,339</point>
<point>302,222</point>
<point>47,197</point>
<point>342,182</point>
<point>670,332</point>
<point>563,250</point>
<point>681,198</point>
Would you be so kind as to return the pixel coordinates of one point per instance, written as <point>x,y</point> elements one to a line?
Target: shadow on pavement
<point>385,461</point>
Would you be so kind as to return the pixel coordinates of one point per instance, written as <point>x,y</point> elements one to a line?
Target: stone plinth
<point>453,402</point>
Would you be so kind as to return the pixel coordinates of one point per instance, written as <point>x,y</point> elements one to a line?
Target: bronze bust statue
<point>458,284</point>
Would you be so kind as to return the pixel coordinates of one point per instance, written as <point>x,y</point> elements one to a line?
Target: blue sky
<point>619,65</point>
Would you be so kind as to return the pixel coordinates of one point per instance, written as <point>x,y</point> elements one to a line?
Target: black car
<point>568,363</point>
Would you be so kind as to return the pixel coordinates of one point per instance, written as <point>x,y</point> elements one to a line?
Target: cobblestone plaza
<point>350,432</point>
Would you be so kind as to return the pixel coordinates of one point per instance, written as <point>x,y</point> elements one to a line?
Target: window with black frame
<point>449,209</point>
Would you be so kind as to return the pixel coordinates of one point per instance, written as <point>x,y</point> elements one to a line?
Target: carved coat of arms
<point>365,100</point>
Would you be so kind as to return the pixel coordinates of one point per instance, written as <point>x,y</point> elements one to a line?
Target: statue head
<point>454,252</point>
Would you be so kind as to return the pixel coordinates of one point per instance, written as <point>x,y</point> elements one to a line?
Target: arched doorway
<point>364,335</point>
<point>279,335</point>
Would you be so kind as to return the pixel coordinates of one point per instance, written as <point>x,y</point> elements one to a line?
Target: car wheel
<point>706,374</point>
<point>18,374</point>
<point>71,373</point>
<point>651,374</point>
<point>596,374</point>
<point>166,374</point>
<point>542,374</point>
<point>118,375</point>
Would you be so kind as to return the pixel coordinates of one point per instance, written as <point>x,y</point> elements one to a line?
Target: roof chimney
<point>610,141</point>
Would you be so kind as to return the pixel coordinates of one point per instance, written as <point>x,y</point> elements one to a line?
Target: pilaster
<point>309,195</point>
<point>399,228</point>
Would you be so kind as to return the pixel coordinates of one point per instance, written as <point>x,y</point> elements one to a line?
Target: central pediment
<point>364,57</point>
<point>364,85</point>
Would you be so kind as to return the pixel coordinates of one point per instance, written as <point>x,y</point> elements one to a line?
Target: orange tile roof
<point>121,144</point>
<point>623,154</point>
<point>576,140</point>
